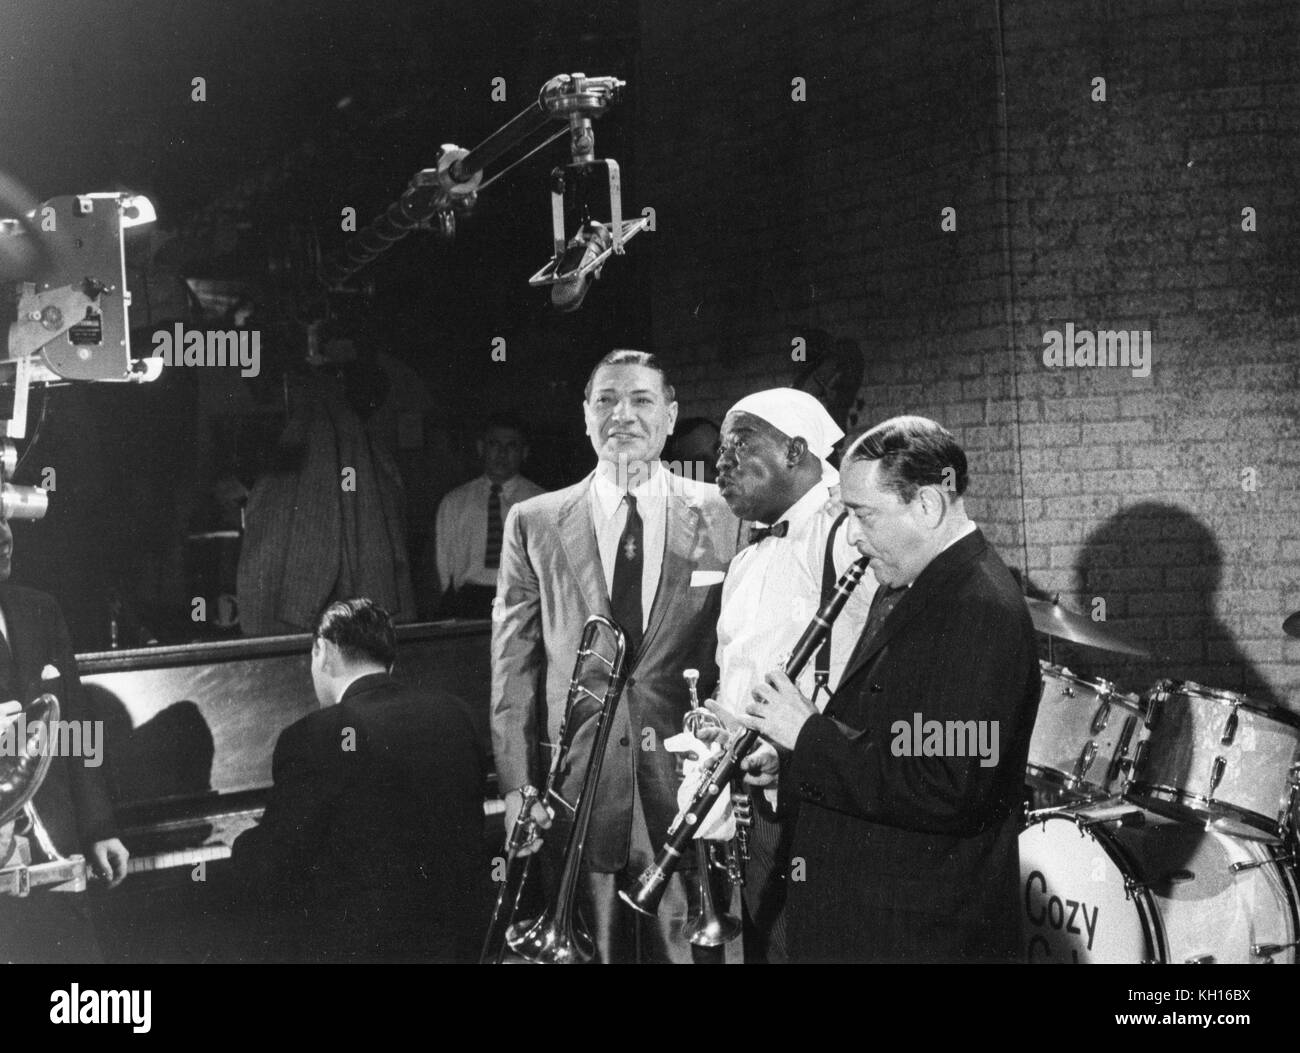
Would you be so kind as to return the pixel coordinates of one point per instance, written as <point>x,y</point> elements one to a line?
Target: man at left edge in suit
<point>73,801</point>
<point>637,544</point>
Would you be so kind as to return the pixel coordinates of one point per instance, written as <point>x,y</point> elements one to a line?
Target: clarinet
<point>718,774</point>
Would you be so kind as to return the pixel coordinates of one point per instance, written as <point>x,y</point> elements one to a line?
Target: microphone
<point>575,272</point>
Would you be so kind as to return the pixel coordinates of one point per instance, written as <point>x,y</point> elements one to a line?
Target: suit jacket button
<point>876,689</point>
<point>623,741</point>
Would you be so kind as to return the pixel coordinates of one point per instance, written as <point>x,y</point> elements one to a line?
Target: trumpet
<point>709,928</point>
<point>719,771</point>
<point>557,936</point>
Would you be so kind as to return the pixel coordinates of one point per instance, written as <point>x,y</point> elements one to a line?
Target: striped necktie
<point>492,551</point>
<point>882,603</point>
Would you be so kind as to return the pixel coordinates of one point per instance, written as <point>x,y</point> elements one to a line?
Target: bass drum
<point>1095,890</point>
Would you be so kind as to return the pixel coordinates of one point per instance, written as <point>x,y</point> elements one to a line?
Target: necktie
<point>492,552</point>
<point>625,594</point>
<point>756,534</point>
<point>884,601</point>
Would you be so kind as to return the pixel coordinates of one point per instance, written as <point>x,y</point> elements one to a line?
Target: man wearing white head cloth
<point>774,472</point>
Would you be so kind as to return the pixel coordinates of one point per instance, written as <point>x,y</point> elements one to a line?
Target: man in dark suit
<point>648,549</point>
<point>369,847</point>
<point>73,802</point>
<point>909,784</point>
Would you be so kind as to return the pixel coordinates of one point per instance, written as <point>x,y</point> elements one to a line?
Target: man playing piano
<point>369,846</point>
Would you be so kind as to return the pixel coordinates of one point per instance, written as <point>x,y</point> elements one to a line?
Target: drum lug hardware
<point>1230,728</point>
<point>1267,950</point>
<point>1101,718</point>
<point>1086,756</point>
<point>1154,698</point>
<point>1132,887</point>
<point>1277,860</point>
<point>1200,959</point>
<point>1216,775</point>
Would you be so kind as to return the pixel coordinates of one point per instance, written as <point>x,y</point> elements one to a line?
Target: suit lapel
<point>578,538</point>
<point>927,588</point>
<point>674,576</point>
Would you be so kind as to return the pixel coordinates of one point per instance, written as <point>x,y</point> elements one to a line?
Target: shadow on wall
<point>1158,570</point>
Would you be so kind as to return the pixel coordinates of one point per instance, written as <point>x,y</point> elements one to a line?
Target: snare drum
<point>1095,891</point>
<point>1216,757</point>
<point>1083,737</point>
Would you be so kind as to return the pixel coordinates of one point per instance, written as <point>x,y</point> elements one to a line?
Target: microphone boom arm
<point>452,185</point>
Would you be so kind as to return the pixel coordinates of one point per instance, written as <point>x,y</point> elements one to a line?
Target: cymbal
<point>1055,620</point>
<point>1292,625</point>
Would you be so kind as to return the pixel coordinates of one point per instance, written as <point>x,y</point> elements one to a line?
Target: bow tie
<point>756,534</point>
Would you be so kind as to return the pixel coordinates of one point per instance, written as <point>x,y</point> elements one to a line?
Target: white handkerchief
<point>707,577</point>
<point>718,825</point>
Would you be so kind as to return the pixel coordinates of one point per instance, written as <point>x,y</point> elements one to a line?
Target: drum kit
<point>1163,827</point>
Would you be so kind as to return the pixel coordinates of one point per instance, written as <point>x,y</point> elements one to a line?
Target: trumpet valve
<point>742,808</point>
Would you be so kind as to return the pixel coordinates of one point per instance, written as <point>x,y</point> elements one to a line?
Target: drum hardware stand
<point>1133,817</point>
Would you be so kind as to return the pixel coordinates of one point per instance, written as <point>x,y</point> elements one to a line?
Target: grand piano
<point>189,733</point>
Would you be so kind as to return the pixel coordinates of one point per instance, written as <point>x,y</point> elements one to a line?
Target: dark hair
<point>360,629</point>
<point>626,357</point>
<point>913,452</point>
<point>686,425</point>
<point>506,422</point>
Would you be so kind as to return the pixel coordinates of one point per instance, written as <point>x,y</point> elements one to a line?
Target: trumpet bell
<point>712,931</point>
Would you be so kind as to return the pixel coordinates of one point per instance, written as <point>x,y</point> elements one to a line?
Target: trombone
<point>558,936</point>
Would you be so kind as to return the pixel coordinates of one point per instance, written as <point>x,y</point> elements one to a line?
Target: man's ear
<point>478,445</point>
<point>328,655</point>
<point>933,506</point>
<point>795,450</point>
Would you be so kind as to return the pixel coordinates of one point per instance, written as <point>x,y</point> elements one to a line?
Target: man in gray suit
<point>648,549</point>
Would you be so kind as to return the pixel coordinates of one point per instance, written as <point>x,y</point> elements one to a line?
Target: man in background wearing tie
<point>73,801</point>
<point>648,549</point>
<point>910,850</point>
<point>470,520</point>
<point>773,471</point>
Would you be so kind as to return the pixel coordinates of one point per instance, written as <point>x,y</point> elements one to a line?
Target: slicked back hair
<point>913,452</point>
<point>361,630</point>
<point>628,357</point>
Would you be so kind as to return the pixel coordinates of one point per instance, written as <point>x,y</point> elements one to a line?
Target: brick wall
<point>779,217</point>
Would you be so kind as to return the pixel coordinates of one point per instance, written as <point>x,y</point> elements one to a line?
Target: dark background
<point>776,220</point>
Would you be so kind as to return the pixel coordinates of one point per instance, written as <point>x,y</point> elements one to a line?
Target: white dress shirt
<point>461,528</point>
<point>609,517</point>
<point>770,595</point>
